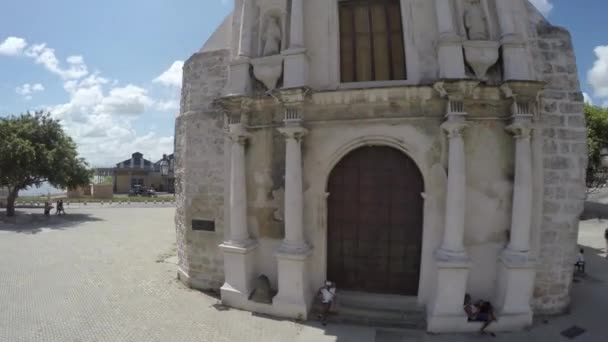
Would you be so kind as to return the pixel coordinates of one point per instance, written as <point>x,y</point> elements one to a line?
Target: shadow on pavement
<point>34,223</point>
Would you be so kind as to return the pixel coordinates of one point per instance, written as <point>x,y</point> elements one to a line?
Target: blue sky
<point>111,70</point>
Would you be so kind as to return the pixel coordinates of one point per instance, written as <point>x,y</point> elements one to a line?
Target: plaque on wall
<point>203,225</point>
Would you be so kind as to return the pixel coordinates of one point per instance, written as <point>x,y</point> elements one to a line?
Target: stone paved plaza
<point>108,274</point>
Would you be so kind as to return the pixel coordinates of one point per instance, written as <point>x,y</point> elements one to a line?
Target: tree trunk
<point>10,202</point>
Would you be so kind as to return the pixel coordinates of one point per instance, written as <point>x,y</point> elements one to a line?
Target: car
<point>136,190</point>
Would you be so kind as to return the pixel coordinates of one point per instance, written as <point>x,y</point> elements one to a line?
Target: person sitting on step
<point>482,311</point>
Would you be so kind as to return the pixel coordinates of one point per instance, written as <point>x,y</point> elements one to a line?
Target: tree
<point>34,149</point>
<point>597,138</point>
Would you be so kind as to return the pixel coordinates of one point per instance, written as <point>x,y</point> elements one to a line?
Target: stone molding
<point>520,130</point>
<point>239,247</point>
<point>454,129</point>
<point>238,133</point>
<point>293,132</point>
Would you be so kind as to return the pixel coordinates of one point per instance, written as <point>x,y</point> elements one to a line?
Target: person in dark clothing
<point>60,210</point>
<point>47,208</point>
<point>482,311</point>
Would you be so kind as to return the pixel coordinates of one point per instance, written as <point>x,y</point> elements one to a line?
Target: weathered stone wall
<point>564,161</point>
<point>199,169</point>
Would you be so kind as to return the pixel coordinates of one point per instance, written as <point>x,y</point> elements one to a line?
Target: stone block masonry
<point>564,163</point>
<point>199,149</point>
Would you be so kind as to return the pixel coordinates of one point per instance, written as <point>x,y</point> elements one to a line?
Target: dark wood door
<point>375,222</point>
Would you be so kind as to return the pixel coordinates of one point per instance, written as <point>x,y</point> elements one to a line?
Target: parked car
<point>139,190</point>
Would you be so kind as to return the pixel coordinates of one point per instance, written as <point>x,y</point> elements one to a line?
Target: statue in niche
<point>271,39</point>
<point>475,21</point>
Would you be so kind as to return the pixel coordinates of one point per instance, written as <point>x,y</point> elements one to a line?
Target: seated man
<point>482,311</point>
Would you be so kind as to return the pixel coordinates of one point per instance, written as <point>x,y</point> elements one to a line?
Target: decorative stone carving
<point>475,21</point>
<point>269,67</point>
<point>262,293</point>
<point>481,55</point>
<point>268,70</point>
<point>480,52</point>
<point>272,36</point>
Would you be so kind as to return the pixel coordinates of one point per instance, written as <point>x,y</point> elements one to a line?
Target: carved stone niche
<point>481,52</point>
<point>272,39</point>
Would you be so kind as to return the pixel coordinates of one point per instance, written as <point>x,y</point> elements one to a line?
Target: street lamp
<point>164,170</point>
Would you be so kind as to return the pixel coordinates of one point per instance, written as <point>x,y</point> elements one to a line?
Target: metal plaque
<point>203,225</point>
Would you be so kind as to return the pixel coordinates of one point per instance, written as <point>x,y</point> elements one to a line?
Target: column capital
<point>520,130</point>
<point>454,129</point>
<point>238,134</point>
<point>293,132</point>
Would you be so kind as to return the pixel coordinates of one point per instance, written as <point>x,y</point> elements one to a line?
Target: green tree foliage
<point>597,138</point>
<point>34,149</point>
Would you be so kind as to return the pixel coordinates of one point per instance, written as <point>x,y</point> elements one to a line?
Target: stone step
<point>377,301</point>
<point>376,318</point>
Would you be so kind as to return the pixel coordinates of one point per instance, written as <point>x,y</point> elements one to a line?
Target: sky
<point>111,70</point>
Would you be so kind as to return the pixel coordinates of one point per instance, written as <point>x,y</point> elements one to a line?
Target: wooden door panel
<point>375,222</point>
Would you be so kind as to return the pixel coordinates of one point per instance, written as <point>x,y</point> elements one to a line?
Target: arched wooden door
<point>375,222</point>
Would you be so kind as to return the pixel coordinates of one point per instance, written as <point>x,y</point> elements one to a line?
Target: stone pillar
<point>515,58</point>
<point>239,257</point>
<point>294,197</point>
<point>296,60</point>
<point>294,296</point>
<point>445,311</point>
<point>522,187</point>
<point>516,269</point>
<point>451,58</point>
<point>239,79</point>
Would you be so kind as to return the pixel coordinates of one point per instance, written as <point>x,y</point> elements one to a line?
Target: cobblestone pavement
<point>106,274</point>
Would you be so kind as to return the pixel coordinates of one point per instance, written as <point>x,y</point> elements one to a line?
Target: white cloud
<point>101,114</point>
<point>544,6</point>
<point>167,106</point>
<point>26,90</point>
<point>12,46</point>
<point>172,76</point>
<point>587,99</point>
<point>598,75</point>
<point>46,56</point>
<point>128,100</point>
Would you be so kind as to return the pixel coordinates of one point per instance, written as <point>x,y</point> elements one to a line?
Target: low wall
<point>102,191</point>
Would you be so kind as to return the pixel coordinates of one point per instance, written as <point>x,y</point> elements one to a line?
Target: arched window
<point>371,41</point>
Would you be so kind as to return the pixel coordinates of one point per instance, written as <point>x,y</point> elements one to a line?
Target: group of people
<point>480,311</point>
<point>59,209</point>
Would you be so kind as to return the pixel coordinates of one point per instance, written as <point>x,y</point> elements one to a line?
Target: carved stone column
<point>453,234</point>
<point>516,267</point>
<point>296,60</point>
<point>521,128</point>
<point>451,58</point>
<point>239,250</point>
<point>239,234</point>
<point>239,79</point>
<point>294,197</point>
<point>515,59</point>
<point>294,296</point>
<point>453,264</point>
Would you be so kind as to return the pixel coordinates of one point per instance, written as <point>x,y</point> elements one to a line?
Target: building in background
<point>137,171</point>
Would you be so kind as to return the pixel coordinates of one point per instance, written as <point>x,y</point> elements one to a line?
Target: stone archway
<point>375,218</point>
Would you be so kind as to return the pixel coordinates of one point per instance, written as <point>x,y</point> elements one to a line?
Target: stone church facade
<point>415,150</point>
